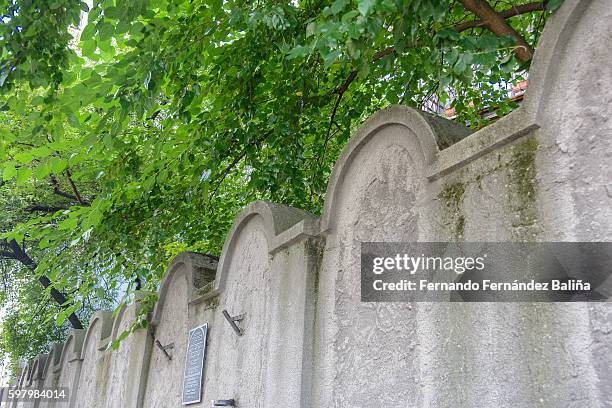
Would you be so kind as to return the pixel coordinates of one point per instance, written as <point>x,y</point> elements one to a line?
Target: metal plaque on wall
<point>194,365</point>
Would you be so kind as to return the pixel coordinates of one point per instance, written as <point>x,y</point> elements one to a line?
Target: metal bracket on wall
<point>165,348</point>
<point>232,321</point>
<point>223,403</point>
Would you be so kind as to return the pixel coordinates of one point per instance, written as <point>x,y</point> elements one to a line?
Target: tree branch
<point>497,24</point>
<point>504,14</point>
<point>342,89</point>
<point>508,13</point>
<point>18,254</point>
<point>6,254</point>
<point>57,191</point>
<point>74,189</point>
<point>333,116</point>
<point>233,164</point>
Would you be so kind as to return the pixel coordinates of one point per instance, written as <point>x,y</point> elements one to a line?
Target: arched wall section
<point>33,381</point>
<point>367,353</point>
<point>573,162</point>
<point>50,375</point>
<point>170,324</point>
<point>499,184</point>
<point>236,364</point>
<point>413,134</point>
<point>275,218</point>
<point>265,365</point>
<point>68,370</point>
<point>122,380</point>
<point>91,388</point>
<point>576,133</point>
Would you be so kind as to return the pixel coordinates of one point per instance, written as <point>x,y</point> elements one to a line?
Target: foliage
<point>149,132</point>
<point>30,315</point>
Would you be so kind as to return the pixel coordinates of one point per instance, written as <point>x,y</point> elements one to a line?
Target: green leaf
<point>365,6</point>
<point>9,171</point>
<point>364,70</point>
<point>338,5</point>
<point>310,29</point>
<point>69,224</point>
<point>114,13</point>
<point>23,175</point>
<point>105,30</point>
<point>61,317</point>
<point>57,165</point>
<point>89,47</point>
<point>463,62</point>
<point>331,57</point>
<point>349,16</point>
<point>88,32</point>
<point>24,157</point>
<point>298,52</point>
<point>7,136</point>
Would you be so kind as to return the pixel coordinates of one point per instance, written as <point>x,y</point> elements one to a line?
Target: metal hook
<point>223,403</point>
<point>232,321</point>
<point>165,348</point>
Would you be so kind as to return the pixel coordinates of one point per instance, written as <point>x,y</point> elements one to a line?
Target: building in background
<point>515,91</point>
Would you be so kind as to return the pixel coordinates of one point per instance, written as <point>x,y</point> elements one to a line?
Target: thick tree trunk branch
<point>18,254</point>
<point>504,14</point>
<point>497,24</point>
<point>508,13</point>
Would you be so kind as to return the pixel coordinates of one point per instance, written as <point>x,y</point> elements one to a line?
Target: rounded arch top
<point>431,131</point>
<point>105,319</point>
<point>24,375</point>
<point>37,371</point>
<point>185,261</point>
<point>119,316</point>
<point>53,358</point>
<point>24,381</point>
<point>550,52</point>
<point>276,219</point>
<point>71,349</point>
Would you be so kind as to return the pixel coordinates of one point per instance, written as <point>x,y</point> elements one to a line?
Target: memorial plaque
<point>194,365</point>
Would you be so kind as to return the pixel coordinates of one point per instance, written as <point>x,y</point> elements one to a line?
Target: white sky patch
<point>4,375</point>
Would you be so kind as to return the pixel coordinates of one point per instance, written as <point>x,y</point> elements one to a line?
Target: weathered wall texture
<point>172,320</point>
<point>543,173</point>
<point>94,366</point>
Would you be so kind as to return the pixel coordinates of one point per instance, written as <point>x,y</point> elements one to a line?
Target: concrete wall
<point>49,375</point>
<point>94,368</point>
<point>171,322</point>
<point>542,173</point>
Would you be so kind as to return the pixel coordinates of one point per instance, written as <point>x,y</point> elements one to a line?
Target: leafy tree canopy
<point>137,129</point>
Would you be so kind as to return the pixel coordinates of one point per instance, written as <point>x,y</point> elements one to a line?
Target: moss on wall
<point>315,248</point>
<point>517,163</point>
<point>451,195</point>
<point>523,189</point>
<point>523,171</point>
